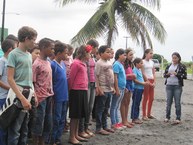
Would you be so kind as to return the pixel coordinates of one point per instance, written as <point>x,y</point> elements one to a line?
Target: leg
<point>177,99</point>
<point>113,109</point>
<point>106,108</point>
<point>73,130</point>
<point>170,94</point>
<point>145,98</point>
<point>139,93</point>
<point>150,99</point>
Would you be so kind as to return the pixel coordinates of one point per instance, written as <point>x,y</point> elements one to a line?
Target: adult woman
<point>174,74</point>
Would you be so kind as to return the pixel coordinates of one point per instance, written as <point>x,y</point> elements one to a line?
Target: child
<point>60,87</point>
<point>128,65</point>
<point>138,91</point>
<point>78,86</point>
<point>19,72</point>
<point>35,52</point>
<point>7,47</point>
<point>42,78</point>
<point>120,83</point>
<point>148,71</point>
<point>105,87</point>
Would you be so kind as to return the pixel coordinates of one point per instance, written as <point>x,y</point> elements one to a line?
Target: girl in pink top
<point>128,65</point>
<point>78,86</point>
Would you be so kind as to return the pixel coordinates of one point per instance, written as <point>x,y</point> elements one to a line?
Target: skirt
<point>78,104</point>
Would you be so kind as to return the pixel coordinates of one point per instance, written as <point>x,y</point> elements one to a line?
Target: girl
<point>120,83</point>
<point>138,91</point>
<point>129,86</point>
<point>78,86</point>
<point>148,71</point>
<point>174,74</point>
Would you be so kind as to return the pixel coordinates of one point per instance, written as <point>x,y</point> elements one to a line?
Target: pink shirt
<point>128,71</point>
<point>68,64</point>
<point>42,78</point>
<point>92,69</point>
<point>78,77</point>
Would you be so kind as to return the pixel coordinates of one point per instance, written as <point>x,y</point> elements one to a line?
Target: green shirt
<point>1,53</point>
<point>22,62</point>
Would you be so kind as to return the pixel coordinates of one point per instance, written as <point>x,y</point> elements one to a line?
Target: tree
<point>130,15</point>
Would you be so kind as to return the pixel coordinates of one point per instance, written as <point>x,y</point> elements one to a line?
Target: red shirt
<point>78,77</point>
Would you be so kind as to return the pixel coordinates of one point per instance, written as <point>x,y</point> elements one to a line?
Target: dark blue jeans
<point>137,95</point>
<point>102,107</point>
<point>59,116</point>
<point>173,92</point>
<point>3,133</point>
<point>17,132</point>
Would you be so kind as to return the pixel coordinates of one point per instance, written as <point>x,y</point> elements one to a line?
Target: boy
<point>42,79</point>
<point>60,87</point>
<point>19,73</point>
<point>7,47</point>
<point>104,84</point>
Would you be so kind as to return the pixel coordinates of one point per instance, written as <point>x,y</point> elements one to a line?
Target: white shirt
<point>148,68</point>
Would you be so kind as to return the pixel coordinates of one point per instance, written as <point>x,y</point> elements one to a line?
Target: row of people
<point>60,81</point>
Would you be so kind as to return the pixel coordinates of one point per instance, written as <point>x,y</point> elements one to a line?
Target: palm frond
<point>97,25</point>
<point>150,3</point>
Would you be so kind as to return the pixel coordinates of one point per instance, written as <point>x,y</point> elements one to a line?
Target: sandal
<point>137,121</point>
<point>166,120</point>
<point>102,132</point>
<point>145,118</point>
<point>151,117</point>
<point>109,130</point>
<point>84,135</point>
<point>176,122</point>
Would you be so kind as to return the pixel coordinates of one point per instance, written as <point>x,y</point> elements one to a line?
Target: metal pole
<point>3,22</point>
<point>126,37</point>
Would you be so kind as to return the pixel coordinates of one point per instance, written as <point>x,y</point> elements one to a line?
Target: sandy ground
<point>154,132</point>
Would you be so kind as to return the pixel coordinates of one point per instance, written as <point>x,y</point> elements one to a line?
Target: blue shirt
<point>3,77</point>
<point>60,84</point>
<point>139,77</point>
<point>120,71</point>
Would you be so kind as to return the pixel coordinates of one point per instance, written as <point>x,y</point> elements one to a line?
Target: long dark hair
<point>118,53</point>
<point>146,52</point>
<point>178,55</point>
<point>127,61</point>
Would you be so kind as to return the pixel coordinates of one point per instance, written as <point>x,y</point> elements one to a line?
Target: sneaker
<point>116,127</point>
<point>166,120</point>
<point>121,125</point>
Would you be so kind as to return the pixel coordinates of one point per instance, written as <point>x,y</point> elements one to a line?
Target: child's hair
<point>81,52</point>
<point>177,55</point>
<point>102,49</point>
<point>137,61</point>
<point>69,47</point>
<point>127,61</point>
<point>35,47</point>
<point>146,52</point>
<point>59,47</point>
<point>7,44</point>
<point>12,37</point>
<point>26,32</point>
<point>75,53</point>
<point>118,53</point>
<point>44,43</point>
<point>93,43</point>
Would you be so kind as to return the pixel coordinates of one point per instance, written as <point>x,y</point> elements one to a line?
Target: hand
<point>117,93</point>
<point>25,103</point>
<point>99,91</point>
<point>36,100</point>
<point>134,76</point>
<point>146,83</point>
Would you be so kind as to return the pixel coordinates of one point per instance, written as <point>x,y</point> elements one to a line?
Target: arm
<point>3,85</point>
<point>10,75</point>
<point>73,72</point>
<point>143,73</point>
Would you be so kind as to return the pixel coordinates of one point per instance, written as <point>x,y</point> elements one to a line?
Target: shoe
<point>102,132</point>
<point>116,127</point>
<point>145,118</point>
<point>109,130</point>
<point>151,117</point>
<point>137,121</point>
<point>166,120</point>
<point>176,122</point>
<point>121,125</point>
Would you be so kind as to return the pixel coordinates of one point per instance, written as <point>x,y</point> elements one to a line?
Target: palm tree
<point>130,15</point>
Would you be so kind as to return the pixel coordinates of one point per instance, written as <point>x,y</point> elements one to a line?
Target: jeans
<point>17,132</point>
<point>59,116</point>
<point>3,133</point>
<point>137,96</point>
<point>115,107</point>
<point>43,121</point>
<point>91,97</point>
<point>102,107</point>
<point>173,91</point>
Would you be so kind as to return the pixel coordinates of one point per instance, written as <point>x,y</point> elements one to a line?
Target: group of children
<point>88,84</point>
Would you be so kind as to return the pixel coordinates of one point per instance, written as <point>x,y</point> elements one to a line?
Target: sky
<point>62,23</point>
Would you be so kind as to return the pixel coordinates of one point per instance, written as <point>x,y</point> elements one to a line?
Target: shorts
<point>130,85</point>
